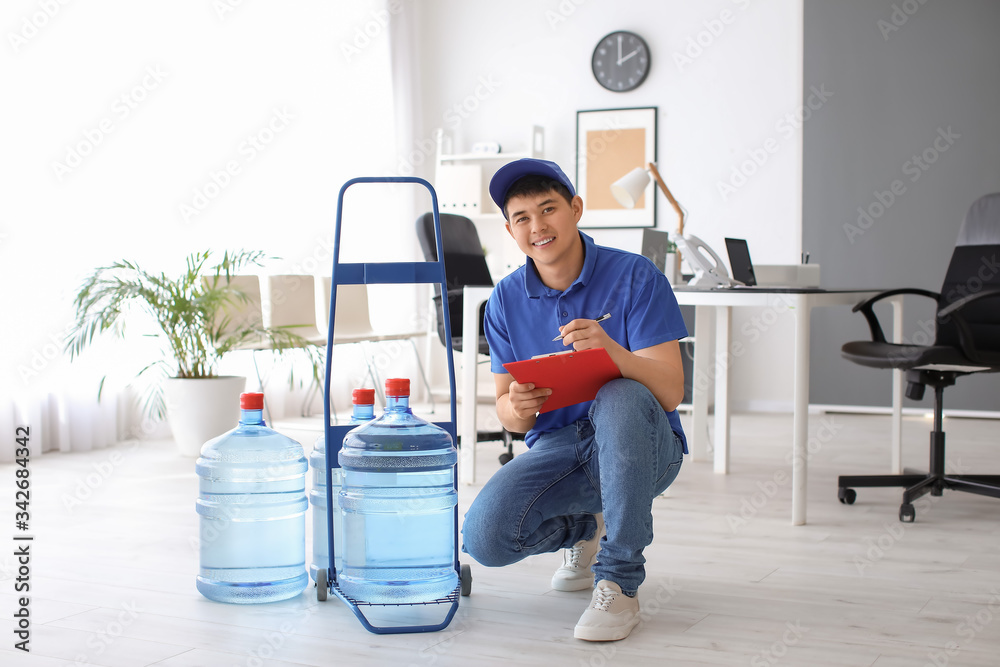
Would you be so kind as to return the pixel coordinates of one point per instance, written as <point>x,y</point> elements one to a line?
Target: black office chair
<point>967,340</point>
<point>464,264</point>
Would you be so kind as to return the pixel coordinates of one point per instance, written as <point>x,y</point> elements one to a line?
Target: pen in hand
<point>599,319</point>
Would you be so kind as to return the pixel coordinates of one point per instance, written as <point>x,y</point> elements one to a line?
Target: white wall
<point>148,104</point>
<point>726,77</point>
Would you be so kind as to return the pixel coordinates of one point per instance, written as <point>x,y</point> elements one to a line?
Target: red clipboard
<point>573,376</point>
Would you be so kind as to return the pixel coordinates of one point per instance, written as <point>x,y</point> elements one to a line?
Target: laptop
<point>739,261</point>
<point>654,247</point>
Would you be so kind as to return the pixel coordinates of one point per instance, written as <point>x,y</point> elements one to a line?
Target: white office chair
<point>292,305</point>
<point>247,311</point>
<point>353,326</point>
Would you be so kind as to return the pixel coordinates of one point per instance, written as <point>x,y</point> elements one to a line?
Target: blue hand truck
<point>372,274</point>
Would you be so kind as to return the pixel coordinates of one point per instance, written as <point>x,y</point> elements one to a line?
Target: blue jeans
<point>545,499</point>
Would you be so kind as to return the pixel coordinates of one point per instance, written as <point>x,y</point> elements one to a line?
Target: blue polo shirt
<point>523,315</point>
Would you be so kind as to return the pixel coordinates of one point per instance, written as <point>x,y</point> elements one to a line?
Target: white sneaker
<point>610,616</point>
<point>575,574</point>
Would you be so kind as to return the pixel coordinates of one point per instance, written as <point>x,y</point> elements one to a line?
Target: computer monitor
<point>654,246</point>
<point>739,261</point>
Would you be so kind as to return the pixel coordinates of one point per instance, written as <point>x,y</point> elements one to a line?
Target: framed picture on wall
<point>609,144</point>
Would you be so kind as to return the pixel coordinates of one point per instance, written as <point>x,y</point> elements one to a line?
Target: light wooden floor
<point>729,580</point>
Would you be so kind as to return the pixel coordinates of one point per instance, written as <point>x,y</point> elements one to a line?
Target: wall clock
<point>621,61</point>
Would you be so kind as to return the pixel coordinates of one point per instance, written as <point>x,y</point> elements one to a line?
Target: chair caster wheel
<point>505,458</point>
<point>321,585</point>
<point>466,580</point>
<point>907,513</point>
<point>847,496</point>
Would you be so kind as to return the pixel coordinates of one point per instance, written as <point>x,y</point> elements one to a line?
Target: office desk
<point>472,298</point>
<point>713,318</point>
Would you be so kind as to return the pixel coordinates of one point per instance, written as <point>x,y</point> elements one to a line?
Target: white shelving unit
<point>466,192</point>
<point>488,163</point>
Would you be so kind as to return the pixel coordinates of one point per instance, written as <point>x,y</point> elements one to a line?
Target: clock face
<point>620,61</point>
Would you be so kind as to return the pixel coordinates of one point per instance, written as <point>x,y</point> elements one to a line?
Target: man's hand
<point>586,334</point>
<point>658,367</point>
<point>526,399</point>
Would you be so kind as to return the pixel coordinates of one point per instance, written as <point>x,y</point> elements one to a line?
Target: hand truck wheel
<point>321,585</point>
<point>466,580</point>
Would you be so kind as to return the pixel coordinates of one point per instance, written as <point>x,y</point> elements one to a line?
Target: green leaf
<point>191,309</point>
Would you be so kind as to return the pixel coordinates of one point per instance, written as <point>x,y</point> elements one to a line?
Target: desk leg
<point>470,337</point>
<point>897,391</point>
<point>723,326</point>
<point>704,331</point>
<point>800,418</point>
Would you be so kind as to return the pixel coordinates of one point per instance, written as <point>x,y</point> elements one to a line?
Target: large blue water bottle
<point>252,503</point>
<point>364,411</point>
<point>398,501</point>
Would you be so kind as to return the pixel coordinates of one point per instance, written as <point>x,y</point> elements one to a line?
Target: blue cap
<point>508,174</point>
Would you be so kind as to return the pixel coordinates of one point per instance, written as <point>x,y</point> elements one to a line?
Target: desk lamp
<point>709,270</point>
<point>629,188</point>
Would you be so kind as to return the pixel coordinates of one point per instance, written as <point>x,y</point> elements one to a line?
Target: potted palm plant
<point>201,315</point>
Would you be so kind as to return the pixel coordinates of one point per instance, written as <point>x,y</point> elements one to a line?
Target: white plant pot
<point>201,409</point>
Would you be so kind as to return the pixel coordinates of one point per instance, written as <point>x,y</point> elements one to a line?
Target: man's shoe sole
<point>569,585</point>
<point>605,634</point>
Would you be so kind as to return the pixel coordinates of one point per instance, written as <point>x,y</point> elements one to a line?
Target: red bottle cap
<point>251,401</point>
<point>397,387</point>
<point>364,396</point>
